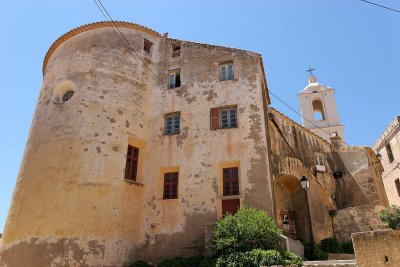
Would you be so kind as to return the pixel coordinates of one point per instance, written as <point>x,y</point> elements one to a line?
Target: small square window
<point>172,123</point>
<point>174,79</point>
<point>226,71</point>
<point>147,45</point>
<point>170,185</point>
<point>224,117</point>
<point>131,166</point>
<point>319,159</point>
<point>176,50</point>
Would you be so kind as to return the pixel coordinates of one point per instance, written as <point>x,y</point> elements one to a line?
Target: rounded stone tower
<point>71,205</point>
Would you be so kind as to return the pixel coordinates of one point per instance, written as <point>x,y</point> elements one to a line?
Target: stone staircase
<point>331,263</point>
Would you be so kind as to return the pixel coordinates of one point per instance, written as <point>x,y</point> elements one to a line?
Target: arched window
<point>318,110</point>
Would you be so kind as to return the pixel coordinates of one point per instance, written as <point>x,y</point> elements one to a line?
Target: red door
<point>230,206</point>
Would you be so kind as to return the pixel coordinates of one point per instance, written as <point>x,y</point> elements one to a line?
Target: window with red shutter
<point>131,166</point>
<point>214,118</point>
<point>230,181</point>
<point>170,185</point>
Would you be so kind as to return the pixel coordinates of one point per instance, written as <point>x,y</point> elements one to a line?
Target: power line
<point>283,102</point>
<point>395,10</point>
<point>108,17</point>
<point>125,40</point>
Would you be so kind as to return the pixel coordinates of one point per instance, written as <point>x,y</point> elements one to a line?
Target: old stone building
<point>388,147</point>
<point>132,154</point>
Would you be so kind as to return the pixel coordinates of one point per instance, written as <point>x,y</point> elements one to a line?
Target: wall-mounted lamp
<point>305,184</point>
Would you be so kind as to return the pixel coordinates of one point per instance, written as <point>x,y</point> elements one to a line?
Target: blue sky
<point>353,45</point>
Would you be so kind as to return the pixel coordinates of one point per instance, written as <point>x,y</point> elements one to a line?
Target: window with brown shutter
<point>223,117</point>
<point>131,165</point>
<point>214,114</point>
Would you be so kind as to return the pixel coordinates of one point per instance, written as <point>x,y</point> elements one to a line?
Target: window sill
<point>230,197</point>
<point>133,182</point>
<point>233,80</point>
<point>168,134</point>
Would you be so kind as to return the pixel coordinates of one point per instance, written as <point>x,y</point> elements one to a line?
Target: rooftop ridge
<point>214,45</point>
<point>298,125</point>
<point>91,26</point>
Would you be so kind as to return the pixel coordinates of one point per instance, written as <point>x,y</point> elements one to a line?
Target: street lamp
<point>379,156</point>
<point>305,184</point>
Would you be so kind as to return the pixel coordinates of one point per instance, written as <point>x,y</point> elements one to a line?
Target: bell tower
<point>318,108</point>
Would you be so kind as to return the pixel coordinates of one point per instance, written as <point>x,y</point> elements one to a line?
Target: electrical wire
<point>125,40</point>
<point>371,3</point>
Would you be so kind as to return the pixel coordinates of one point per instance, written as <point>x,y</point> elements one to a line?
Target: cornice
<point>92,26</point>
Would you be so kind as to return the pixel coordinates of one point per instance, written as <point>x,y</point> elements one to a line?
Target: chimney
<point>336,140</point>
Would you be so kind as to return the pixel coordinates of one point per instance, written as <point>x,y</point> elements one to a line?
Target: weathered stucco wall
<point>377,248</point>
<point>293,153</point>
<point>71,204</point>
<point>361,183</point>
<point>356,219</point>
<point>390,137</point>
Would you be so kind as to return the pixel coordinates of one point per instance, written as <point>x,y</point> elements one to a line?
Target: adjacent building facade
<point>135,148</point>
<point>388,147</point>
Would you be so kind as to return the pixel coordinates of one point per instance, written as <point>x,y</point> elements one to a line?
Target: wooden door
<point>230,206</point>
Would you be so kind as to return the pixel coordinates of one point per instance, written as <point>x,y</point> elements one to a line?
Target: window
<point>319,159</point>
<point>147,45</point>
<point>230,181</point>
<point>67,96</point>
<point>176,50</point>
<point>174,79</point>
<point>170,185</point>
<point>224,117</point>
<point>131,166</point>
<point>172,123</point>
<point>397,183</point>
<point>226,71</point>
<point>389,153</point>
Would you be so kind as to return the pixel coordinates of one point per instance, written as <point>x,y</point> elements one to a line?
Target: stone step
<point>331,263</point>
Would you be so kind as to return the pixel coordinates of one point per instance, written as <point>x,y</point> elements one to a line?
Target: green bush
<point>210,261</point>
<point>347,247</point>
<point>248,229</point>
<point>182,262</point>
<point>257,258</point>
<point>291,258</point>
<point>140,264</point>
<point>331,245</point>
<point>391,217</point>
<point>169,262</point>
<point>318,254</point>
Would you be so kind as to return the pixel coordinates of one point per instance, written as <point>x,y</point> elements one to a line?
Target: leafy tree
<point>391,217</point>
<point>249,228</point>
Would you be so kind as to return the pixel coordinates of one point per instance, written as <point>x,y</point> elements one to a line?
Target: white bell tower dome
<point>318,106</point>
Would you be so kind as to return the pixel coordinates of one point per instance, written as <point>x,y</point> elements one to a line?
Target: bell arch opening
<point>318,110</point>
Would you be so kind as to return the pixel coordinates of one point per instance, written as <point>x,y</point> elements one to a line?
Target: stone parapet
<point>377,248</point>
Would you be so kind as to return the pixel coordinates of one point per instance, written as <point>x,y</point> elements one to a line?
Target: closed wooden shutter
<point>214,118</point>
